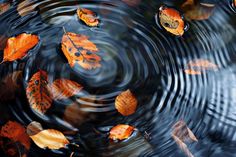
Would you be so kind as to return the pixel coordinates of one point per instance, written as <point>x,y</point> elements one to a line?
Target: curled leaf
<point>88,17</point>
<point>171,20</point>
<point>121,132</point>
<point>4,7</point>
<point>64,88</point>
<point>50,138</point>
<point>37,92</point>
<point>78,49</point>
<point>126,103</point>
<point>34,128</point>
<point>17,47</point>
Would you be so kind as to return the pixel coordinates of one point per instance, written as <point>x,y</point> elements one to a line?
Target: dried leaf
<point>50,138</point>
<point>88,17</point>
<point>64,88</point>
<point>16,133</point>
<point>10,85</point>
<point>126,103</point>
<point>78,49</point>
<point>4,7</point>
<point>121,132</point>
<point>33,128</point>
<point>196,67</point>
<point>37,92</point>
<point>17,47</point>
<point>171,20</point>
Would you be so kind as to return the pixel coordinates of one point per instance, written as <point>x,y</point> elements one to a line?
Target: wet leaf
<point>88,17</point>
<point>196,67</point>
<point>4,7</point>
<point>10,85</point>
<point>64,88</point>
<point>126,103</point>
<point>33,128</point>
<point>171,20</point>
<point>78,49</point>
<point>121,132</point>
<point>17,47</point>
<point>3,41</point>
<point>37,92</point>
<point>50,138</point>
<point>16,132</point>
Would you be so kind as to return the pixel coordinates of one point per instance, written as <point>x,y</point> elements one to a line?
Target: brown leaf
<point>121,132</point>
<point>64,88</point>
<point>17,47</point>
<point>50,138</point>
<point>34,128</point>
<point>10,85</point>
<point>88,17</point>
<point>4,7</point>
<point>37,92</point>
<point>25,7</point>
<point>16,133</point>
<point>126,103</point>
<point>171,20</point>
<point>78,49</point>
<point>197,66</point>
<point>3,42</point>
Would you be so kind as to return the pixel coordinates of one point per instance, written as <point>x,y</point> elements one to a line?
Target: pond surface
<point>139,55</point>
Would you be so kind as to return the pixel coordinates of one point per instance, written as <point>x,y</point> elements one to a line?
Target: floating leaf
<point>126,103</point>
<point>37,92</point>
<point>33,128</point>
<point>121,132</point>
<point>4,7</point>
<point>10,85</point>
<point>78,49</point>
<point>171,20</point>
<point>50,138</point>
<point>64,88</point>
<point>196,67</point>
<point>16,133</point>
<point>17,47</point>
<point>88,17</point>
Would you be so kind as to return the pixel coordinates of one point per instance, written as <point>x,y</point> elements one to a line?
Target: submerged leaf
<point>88,17</point>
<point>25,7</point>
<point>50,138</point>
<point>17,47</point>
<point>121,132</point>
<point>126,103</point>
<point>132,3</point>
<point>78,49</point>
<point>37,92</point>
<point>171,20</point>
<point>64,88</point>
<point>4,7</point>
<point>3,42</point>
<point>34,128</point>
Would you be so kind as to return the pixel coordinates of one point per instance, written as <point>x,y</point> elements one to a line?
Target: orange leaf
<point>88,17</point>
<point>37,92</point>
<point>121,132</point>
<point>50,138</point>
<point>78,49</point>
<point>4,7</point>
<point>34,128</point>
<point>17,47</point>
<point>126,103</point>
<point>171,20</point>
<point>16,133</point>
<point>64,88</point>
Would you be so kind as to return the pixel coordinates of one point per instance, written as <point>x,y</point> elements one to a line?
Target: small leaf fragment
<point>17,47</point>
<point>50,138</point>
<point>34,128</point>
<point>88,17</point>
<point>121,132</point>
<point>126,103</point>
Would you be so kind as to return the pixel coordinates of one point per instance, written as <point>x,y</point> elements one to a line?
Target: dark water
<point>138,55</point>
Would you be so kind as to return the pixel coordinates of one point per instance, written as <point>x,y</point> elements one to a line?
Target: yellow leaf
<point>88,17</point>
<point>121,132</point>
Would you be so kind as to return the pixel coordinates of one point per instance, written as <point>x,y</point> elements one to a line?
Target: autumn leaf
<point>121,132</point>
<point>37,92</point>
<point>171,20</point>
<point>88,17</point>
<point>196,67</point>
<point>64,88</point>
<point>50,138</point>
<point>17,47</point>
<point>10,85</point>
<point>3,41</point>
<point>33,128</point>
<point>126,103</point>
<point>16,132</point>
<point>4,7</point>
